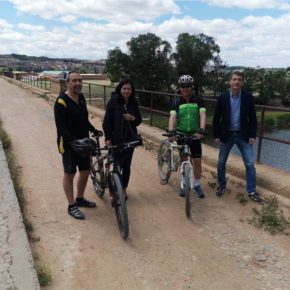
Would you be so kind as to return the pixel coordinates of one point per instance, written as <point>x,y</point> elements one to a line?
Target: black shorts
<point>71,160</point>
<point>195,148</point>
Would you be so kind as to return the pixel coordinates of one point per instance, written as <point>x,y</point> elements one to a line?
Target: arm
<point>253,122</point>
<point>202,117</point>
<point>107,122</point>
<point>172,122</point>
<point>173,117</point>
<point>137,118</point>
<point>60,117</point>
<point>90,126</point>
<point>216,121</point>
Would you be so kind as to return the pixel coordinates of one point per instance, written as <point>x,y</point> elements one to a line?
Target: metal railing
<point>97,94</point>
<point>40,82</point>
<point>261,133</point>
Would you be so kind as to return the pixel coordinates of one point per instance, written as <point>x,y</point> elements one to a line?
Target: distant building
<point>87,77</point>
<point>18,75</point>
<point>54,74</point>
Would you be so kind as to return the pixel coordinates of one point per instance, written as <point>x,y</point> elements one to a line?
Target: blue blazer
<point>222,117</point>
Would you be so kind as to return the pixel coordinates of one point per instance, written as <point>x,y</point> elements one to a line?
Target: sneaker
<point>85,203</point>
<point>181,193</point>
<point>75,212</point>
<point>254,196</point>
<point>220,191</point>
<point>199,192</point>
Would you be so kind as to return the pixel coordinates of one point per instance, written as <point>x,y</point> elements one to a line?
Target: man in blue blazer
<point>235,123</point>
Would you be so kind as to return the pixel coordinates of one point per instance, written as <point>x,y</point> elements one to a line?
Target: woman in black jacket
<point>121,119</point>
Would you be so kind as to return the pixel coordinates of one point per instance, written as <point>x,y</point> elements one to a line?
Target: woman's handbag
<point>135,136</point>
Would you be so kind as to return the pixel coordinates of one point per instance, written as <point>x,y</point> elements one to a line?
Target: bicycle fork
<point>182,174</point>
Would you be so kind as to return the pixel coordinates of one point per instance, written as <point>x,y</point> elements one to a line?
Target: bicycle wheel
<point>120,207</point>
<point>186,188</point>
<point>164,166</point>
<point>98,176</point>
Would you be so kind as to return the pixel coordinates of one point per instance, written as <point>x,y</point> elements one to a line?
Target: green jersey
<point>187,113</point>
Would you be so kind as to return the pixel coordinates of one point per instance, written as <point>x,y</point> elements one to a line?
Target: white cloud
<point>110,10</point>
<point>68,18</point>
<point>249,41</point>
<point>5,26</point>
<point>29,27</point>
<point>250,4</point>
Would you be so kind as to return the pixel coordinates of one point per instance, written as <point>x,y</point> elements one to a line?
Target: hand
<point>129,117</point>
<point>171,134</point>
<point>109,142</point>
<point>217,141</point>
<point>252,141</point>
<point>199,136</point>
<point>97,132</point>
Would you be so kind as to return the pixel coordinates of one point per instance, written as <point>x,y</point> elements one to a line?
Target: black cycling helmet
<point>83,147</point>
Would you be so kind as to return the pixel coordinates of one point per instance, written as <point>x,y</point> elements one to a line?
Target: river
<point>273,153</point>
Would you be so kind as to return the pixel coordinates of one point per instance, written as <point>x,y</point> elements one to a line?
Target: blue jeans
<point>247,153</point>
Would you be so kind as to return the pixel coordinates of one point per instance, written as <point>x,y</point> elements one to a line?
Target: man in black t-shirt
<point>72,123</point>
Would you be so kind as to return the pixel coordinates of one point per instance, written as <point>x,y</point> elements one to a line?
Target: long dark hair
<point>121,84</point>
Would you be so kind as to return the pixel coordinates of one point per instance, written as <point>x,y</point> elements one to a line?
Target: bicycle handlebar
<point>182,137</point>
<point>119,147</point>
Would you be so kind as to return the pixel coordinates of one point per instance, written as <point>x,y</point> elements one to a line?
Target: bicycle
<point>108,176</point>
<point>169,160</point>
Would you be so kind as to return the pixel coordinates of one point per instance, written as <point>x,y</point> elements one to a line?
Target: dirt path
<point>216,250</point>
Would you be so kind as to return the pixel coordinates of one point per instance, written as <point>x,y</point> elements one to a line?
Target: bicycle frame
<point>111,166</point>
<point>183,158</point>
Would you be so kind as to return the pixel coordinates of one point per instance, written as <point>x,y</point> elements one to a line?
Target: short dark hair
<point>125,82</point>
<point>70,73</point>
<point>238,73</point>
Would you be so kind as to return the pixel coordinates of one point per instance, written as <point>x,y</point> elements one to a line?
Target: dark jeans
<point>124,159</point>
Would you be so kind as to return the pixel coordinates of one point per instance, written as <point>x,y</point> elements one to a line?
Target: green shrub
<point>269,123</point>
<point>283,121</point>
<point>270,217</point>
<point>44,275</point>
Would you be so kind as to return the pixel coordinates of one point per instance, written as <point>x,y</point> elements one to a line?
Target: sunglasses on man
<point>185,86</point>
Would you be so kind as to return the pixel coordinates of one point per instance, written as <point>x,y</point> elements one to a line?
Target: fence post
<point>151,107</point>
<point>90,94</point>
<point>105,97</point>
<point>261,135</point>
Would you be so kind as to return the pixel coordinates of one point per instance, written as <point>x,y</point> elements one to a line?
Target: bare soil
<point>216,249</point>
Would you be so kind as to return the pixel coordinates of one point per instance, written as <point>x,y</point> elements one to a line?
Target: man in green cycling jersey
<point>188,116</point>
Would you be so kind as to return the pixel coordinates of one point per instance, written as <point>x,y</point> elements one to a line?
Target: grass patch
<point>270,217</point>
<point>14,168</point>
<point>43,272</point>
<point>44,96</point>
<point>44,275</point>
<point>212,184</point>
<point>240,197</point>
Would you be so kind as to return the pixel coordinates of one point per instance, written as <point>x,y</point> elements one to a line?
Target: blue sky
<point>250,33</point>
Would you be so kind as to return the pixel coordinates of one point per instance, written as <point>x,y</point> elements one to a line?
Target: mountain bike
<point>172,156</point>
<point>105,173</point>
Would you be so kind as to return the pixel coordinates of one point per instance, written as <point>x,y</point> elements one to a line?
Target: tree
<point>150,66</point>
<point>217,77</point>
<point>193,54</point>
<point>117,65</point>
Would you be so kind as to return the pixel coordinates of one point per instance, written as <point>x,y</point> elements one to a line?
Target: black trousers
<point>124,160</point>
